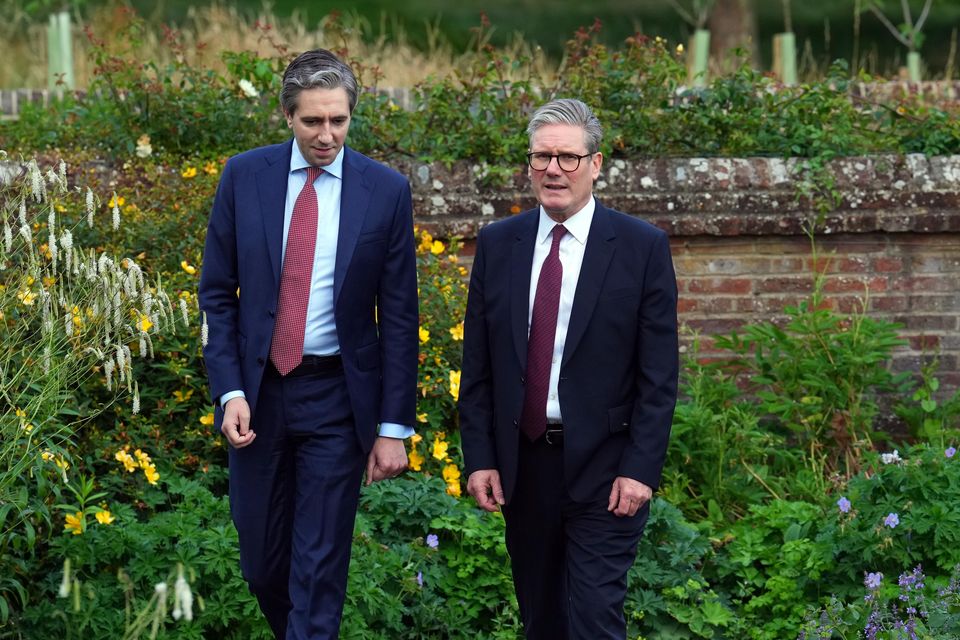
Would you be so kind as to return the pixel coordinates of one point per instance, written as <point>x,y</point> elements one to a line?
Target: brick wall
<point>741,255</point>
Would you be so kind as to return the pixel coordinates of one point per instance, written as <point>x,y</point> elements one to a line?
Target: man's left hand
<point>627,496</point>
<point>388,459</point>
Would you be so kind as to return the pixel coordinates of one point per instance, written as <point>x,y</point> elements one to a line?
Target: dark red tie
<point>543,332</point>
<point>286,350</point>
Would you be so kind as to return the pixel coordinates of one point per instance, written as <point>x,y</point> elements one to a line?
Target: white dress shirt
<point>572,246</point>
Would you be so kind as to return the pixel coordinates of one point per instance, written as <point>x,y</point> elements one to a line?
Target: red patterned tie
<point>543,332</point>
<point>286,350</point>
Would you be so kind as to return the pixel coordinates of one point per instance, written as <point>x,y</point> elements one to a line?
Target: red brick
<point>720,285</point>
<point>705,304</point>
<point>927,322</point>
<point>844,284</point>
<point>926,284</point>
<point>889,303</point>
<point>888,265</point>
<point>934,303</point>
<point>924,342</point>
<point>784,285</point>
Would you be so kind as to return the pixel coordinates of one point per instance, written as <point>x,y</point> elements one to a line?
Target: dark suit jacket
<point>618,375</point>
<point>375,283</point>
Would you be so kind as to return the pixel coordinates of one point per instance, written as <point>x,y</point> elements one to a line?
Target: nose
<point>553,169</point>
<point>324,134</point>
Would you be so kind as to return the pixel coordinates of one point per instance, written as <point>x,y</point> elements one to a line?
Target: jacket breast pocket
<point>370,237</point>
<point>622,292</point>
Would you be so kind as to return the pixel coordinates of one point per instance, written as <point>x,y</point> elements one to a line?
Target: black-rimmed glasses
<point>568,162</point>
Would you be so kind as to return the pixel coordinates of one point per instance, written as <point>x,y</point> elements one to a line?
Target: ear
<point>289,117</point>
<point>596,163</point>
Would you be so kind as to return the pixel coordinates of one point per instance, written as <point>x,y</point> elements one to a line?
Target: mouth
<point>554,187</point>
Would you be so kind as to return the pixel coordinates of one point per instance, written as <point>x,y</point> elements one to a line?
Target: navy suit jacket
<point>618,374</point>
<point>375,283</point>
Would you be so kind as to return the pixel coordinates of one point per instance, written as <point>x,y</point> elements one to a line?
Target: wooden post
<point>60,52</point>
<point>698,58</point>
<point>785,57</point>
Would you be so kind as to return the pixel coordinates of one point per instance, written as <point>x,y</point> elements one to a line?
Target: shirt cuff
<point>393,430</point>
<point>230,395</point>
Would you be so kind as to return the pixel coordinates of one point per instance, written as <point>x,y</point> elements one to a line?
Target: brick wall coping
<point>715,196</point>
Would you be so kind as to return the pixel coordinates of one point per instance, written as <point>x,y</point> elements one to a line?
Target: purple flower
<point>873,580</point>
<point>891,520</point>
<point>420,578</point>
<point>950,452</point>
<point>433,541</point>
<point>843,504</point>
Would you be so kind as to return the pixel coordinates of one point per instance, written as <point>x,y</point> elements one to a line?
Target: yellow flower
<point>130,208</point>
<point>455,384</point>
<point>151,474</point>
<point>210,168</point>
<point>60,208</point>
<point>74,523</point>
<point>182,396</point>
<point>128,462</point>
<point>189,268</point>
<point>207,419</point>
<point>437,248</point>
<point>62,463</point>
<point>440,448</point>
<point>144,323</point>
<point>415,460</point>
<point>901,111</point>
<point>48,281</point>
<point>189,172</point>
<point>451,474</point>
<point>26,297</point>
<point>453,489</point>
<point>424,335</point>
<point>47,456</point>
<point>27,428</point>
<point>20,413</point>
<point>143,458</point>
<point>456,332</point>
<point>116,201</point>
<point>421,417</point>
<point>105,517</point>
<point>680,49</point>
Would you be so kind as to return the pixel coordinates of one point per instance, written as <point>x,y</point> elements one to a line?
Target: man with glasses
<point>569,382</point>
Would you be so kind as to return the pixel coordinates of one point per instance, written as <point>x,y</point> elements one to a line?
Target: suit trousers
<point>570,560</point>
<point>293,497</point>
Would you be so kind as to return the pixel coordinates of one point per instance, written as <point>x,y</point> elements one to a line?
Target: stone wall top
<point>715,196</point>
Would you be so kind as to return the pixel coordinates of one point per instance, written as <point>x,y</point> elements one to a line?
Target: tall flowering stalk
<point>68,316</point>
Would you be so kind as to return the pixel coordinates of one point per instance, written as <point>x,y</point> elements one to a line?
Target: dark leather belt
<point>554,435</point>
<point>312,366</point>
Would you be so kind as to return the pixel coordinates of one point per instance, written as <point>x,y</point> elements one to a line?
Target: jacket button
<point>271,313</point>
<point>516,423</point>
<point>260,361</point>
<point>523,380</point>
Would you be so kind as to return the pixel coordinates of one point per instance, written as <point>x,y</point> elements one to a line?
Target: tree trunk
<point>732,24</point>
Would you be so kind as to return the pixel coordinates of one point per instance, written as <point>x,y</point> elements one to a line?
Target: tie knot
<point>313,173</point>
<point>558,232</point>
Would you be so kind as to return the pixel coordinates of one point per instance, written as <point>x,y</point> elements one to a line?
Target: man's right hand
<point>236,423</point>
<point>484,486</point>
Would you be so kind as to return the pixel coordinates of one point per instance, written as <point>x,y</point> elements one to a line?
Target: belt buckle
<point>553,436</point>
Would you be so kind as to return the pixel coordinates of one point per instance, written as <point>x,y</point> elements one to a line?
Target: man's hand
<point>627,496</point>
<point>387,459</point>
<point>484,486</point>
<point>236,423</point>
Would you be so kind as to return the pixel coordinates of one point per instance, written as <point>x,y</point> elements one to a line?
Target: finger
<point>614,500</point>
<point>497,490</point>
<point>371,468</point>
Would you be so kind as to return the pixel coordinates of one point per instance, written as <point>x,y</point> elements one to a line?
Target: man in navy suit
<point>309,289</point>
<point>569,381</point>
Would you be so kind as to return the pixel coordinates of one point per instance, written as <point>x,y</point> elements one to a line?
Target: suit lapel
<point>272,189</point>
<point>596,259</point>
<point>521,263</point>
<point>354,201</point>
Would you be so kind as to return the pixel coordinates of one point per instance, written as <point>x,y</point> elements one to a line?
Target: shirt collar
<point>578,225</point>
<point>297,162</point>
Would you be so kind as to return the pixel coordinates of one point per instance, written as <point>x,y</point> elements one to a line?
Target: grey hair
<point>317,69</point>
<point>569,111</point>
